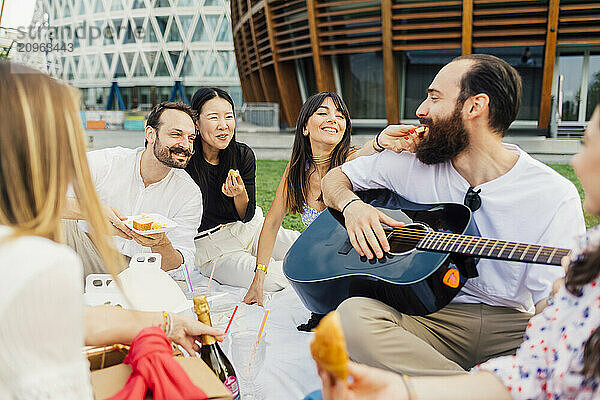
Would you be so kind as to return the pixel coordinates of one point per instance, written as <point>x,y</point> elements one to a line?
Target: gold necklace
<point>321,160</point>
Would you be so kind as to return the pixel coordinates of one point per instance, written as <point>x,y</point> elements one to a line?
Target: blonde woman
<point>44,322</point>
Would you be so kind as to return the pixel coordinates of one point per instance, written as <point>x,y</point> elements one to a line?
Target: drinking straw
<point>188,279</point>
<point>262,326</point>
<point>211,276</point>
<point>230,319</point>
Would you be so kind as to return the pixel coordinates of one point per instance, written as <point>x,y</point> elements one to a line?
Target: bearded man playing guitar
<point>469,107</point>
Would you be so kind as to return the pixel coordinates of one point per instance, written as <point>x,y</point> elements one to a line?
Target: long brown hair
<point>297,178</point>
<point>42,152</point>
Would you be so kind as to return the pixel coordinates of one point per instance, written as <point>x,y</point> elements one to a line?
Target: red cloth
<point>155,369</point>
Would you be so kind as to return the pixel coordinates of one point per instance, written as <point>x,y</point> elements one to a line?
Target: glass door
<point>578,86</point>
<point>593,89</point>
<point>570,72</point>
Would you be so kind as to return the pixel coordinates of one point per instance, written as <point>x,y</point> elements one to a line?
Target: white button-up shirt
<point>116,176</point>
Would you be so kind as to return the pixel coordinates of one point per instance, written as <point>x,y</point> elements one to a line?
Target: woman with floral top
<point>560,357</point>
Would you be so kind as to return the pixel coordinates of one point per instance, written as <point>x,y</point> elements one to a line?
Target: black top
<point>219,208</point>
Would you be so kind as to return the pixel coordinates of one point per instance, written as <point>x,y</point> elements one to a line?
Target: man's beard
<point>446,138</point>
<point>165,155</point>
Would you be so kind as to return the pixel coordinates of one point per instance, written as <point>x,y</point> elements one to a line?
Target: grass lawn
<point>567,171</point>
<point>268,175</point>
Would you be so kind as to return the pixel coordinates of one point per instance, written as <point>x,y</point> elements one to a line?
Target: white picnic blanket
<point>289,371</point>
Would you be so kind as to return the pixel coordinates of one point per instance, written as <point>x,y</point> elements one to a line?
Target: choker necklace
<point>321,160</point>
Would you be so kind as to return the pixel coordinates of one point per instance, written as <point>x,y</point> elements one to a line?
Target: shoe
<point>312,323</point>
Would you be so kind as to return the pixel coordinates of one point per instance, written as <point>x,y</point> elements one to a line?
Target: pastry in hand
<point>328,347</point>
<point>234,173</point>
<point>144,223</point>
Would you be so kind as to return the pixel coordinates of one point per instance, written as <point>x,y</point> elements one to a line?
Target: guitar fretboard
<point>491,248</point>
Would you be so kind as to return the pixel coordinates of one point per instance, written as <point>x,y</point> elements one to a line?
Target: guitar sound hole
<point>404,240</point>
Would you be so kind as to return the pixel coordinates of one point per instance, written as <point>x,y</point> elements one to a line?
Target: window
<point>421,68</point>
<point>363,89</point>
<point>593,94</point>
<point>528,61</point>
<point>577,85</point>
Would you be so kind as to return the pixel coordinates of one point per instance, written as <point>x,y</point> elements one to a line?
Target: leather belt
<point>206,233</point>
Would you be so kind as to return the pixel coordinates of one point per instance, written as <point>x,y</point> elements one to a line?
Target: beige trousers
<point>446,342</point>
<point>233,249</point>
<point>79,241</point>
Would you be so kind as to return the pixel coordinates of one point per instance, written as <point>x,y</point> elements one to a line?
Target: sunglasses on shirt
<point>472,199</point>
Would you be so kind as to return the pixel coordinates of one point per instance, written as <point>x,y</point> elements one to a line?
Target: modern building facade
<point>381,55</point>
<point>150,50</point>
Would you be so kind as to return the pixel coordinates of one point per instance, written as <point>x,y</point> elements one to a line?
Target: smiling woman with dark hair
<point>322,142</point>
<point>224,169</point>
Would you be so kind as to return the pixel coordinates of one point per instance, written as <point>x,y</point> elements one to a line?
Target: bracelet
<point>167,323</point>
<point>348,203</point>
<point>170,325</point>
<point>376,142</point>
<point>410,392</point>
<point>261,267</point>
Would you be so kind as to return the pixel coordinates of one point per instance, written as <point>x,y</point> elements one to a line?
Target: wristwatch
<point>262,267</point>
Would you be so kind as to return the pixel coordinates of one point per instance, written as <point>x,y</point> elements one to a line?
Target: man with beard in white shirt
<point>148,179</point>
<point>469,107</point>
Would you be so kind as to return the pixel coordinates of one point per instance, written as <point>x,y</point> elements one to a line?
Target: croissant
<point>328,347</point>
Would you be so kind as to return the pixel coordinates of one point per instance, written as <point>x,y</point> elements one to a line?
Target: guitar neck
<point>491,248</point>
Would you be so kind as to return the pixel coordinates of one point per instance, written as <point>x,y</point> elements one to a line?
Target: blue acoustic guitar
<point>430,258</point>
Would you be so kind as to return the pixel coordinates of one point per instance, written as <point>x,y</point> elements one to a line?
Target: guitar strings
<point>446,238</point>
<point>546,252</point>
<point>511,246</point>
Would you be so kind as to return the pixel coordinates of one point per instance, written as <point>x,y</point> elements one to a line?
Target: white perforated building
<point>151,49</point>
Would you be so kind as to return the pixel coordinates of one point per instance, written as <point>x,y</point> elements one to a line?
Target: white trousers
<point>233,249</point>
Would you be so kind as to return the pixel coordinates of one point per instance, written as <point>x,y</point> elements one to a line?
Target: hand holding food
<point>329,351</point>
<point>146,223</point>
<point>234,185</point>
<point>328,347</point>
<point>401,137</point>
<point>147,230</point>
<point>368,383</point>
<point>116,220</point>
<point>151,240</point>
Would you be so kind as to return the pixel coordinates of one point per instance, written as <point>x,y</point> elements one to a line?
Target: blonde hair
<point>42,151</point>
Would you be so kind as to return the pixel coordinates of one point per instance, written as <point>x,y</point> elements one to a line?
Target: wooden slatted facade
<point>273,38</point>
